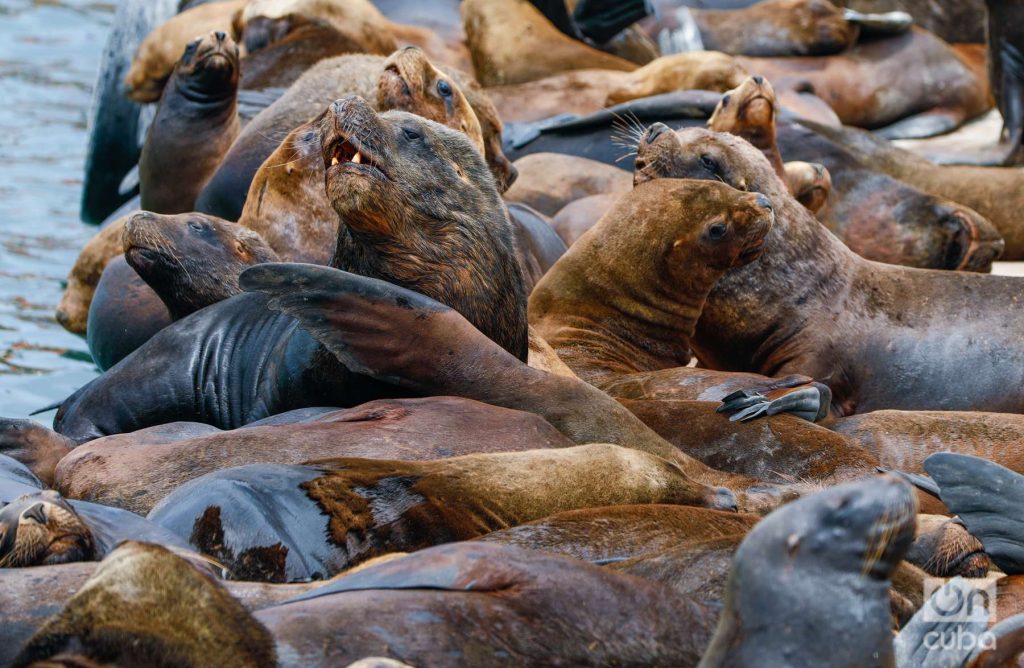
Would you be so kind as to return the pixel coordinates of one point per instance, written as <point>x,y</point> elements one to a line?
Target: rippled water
<point>49,55</point>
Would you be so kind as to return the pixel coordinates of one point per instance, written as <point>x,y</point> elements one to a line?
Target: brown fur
<point>495,491</point>
<point>511,42</point>
<point>578,216</point>
<point>809,182</point>
<point>196,122</point>
<point>133,472</point>
<point>577,91</point>
<point>146,606</point>
<point>704,70</point>
<point>945,549</point>
<point>357,20</point>
<point>879,82</point>
<point>42,529</point>
<point>550,181</point>
<point>73,310</point>
<point>160,50</point>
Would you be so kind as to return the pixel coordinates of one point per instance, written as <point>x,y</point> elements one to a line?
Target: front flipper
<point>921,482</point>
<point>921,126</point>
<point>1009,645</point>
<point>988,498</point>
<point>875,25</point>
<point>810,402</point>
<point>942,616</point>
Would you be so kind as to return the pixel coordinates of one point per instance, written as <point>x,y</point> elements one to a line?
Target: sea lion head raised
<point>809,584</point>
<point>191,260</point>
<point>209,67</point>
<point>410,82</point>
<point>42,529</point>
<point>747,111</point>
<point>809,182</point>
<point>418,207</point>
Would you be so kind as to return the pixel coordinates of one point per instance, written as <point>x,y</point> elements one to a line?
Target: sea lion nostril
<point>36,513</point>
<point>763,202</point>
<point>759,80</point>
<point>220,36</point>
<point>656,131</point>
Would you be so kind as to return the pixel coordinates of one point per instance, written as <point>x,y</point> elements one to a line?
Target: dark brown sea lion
<point>379,168</point>
<point>684,71</point>
<point>994,192</point>
<point>909,85</point>
<point>550,181</point>
<point>173,266</point>
<point>124,313</point>
<point>160,51</point>
<point>372,507</point>
<point>191,260</point>
<point>472,604</point>
<point>770,28</point>
<point>823,563</point>
<point>134,472</point>
<point>292,45</point>
<point>196,122</point>
<point>146,606</point>
<point>499,32</point>
<point>820,310</point>
<point>406,80</point>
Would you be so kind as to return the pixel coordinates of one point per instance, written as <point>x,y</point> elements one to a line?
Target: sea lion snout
<point>973,243</point>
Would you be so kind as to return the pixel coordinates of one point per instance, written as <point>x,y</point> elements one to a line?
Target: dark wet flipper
<point>1009,645</point>
<point>921,482</point>
<point>601,20</point>
<point>1011,102</point>
<point>888,23</point>
<point>988,498</point>
<point>944,615</point>
<point>809,402</point>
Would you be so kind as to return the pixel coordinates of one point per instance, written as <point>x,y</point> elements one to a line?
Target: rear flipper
<point>988,498</point>
<point>949,613</point>
<point>810,402</point>
<point>926,124</point>
<point>33,445</point>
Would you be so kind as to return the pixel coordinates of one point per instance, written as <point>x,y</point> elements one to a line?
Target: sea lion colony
<point>509,332</point>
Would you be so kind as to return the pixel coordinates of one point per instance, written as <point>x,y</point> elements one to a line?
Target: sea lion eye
<point>411,135</point>
<point>198,227</point>
<point>191,48</point>
<point>444,89</point>
<point>717,231</point>
<point>725,100</point>
<point>708,163</point>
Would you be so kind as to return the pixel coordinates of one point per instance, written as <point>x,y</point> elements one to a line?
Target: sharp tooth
<point>334,161</point>
<point>357,158</point>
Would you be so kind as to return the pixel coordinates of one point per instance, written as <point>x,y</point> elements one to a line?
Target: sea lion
<point>29,445</point>
<point>550,181</point>
<point>293,45</point>
<point>38,526</point>
<point>821,562</point>
<point>124,313</point>
<point>905,86</point>
<point>372,507</point>
<point>538,246</point>
<point>881,313</point>
<point>994,192</point>
<point>414,240</point>
<point>196,122</point>
<point>406,80</point>
<point>191,260</point>
<point>769,28</point>
<point>498,33</point>
<point>809,182</point>
<point>942,547</point>
<point>173,266</point>
<point>146,606</point>
<point>603,328</point>
<point>577,217</point>
<point>575,91</point>
<point>705,70</point>
<point>952,20</point>
<point>134,471</point>
<point>160,51</point>
<point>471,604</point>
<point>73,309</point>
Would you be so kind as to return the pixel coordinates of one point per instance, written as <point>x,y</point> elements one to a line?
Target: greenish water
<point>49,55</point>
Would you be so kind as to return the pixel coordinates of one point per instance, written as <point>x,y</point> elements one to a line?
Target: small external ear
<point>242,250</point>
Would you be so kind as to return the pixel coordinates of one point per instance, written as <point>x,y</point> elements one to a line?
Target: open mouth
<point>351,156</point>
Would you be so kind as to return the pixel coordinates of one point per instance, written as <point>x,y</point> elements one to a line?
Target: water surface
<point>49,55</point>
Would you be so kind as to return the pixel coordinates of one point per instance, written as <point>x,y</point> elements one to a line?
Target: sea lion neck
<point>763,306</point>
